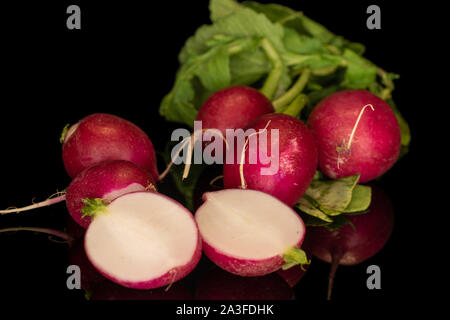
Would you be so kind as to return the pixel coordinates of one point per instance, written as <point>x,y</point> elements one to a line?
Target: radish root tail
<point>191,140</point>
<point>54,198</point>
<point>244,148</point>
<point>336,259</point>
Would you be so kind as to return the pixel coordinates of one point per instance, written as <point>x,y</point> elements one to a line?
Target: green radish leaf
<point>307,206</point>
<point>222,8</point>
<point>301,24</point>
<point>248,67</point>
<point>214,74</point>
<point>360,73</point>
<point>211,68</point>
<point>361,197</point>
<point>302,44</point>
<point>332,196</point>
<point>311,221</point>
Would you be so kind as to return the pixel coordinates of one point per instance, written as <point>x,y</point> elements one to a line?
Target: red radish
<point>107,180</point>
<point>233,108</point>
<point>357,133</point>
<point>142,240</point>
<point>217,284</point>
<point>297,160</point>
<point>73,228</point>
<point>100,137</point>
<point>249,233</point>
<point>353,245</point>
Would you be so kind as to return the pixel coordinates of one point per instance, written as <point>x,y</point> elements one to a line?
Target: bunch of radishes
<point>142,239</point>
<point>351,132</point>
<point>134,235</point>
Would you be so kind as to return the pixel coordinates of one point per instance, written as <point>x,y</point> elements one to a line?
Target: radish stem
<point>296,106</point>
<point>273,79</point>
<point>290,95</point>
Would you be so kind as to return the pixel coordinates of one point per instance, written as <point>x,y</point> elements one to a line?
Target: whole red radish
<point>232,108</point>
<point>142,240</point>
<point>297,160</point>
<point>217,284</point>
<point>353,244</point>
<point>107,180</point>
<point>357,133</point>
<point>100,137</point>
<point>249,232</point>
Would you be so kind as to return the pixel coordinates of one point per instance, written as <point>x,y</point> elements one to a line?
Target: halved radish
<point>249,232</point>
<point>142,240</point>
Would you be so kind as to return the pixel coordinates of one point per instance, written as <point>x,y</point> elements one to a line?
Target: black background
<point>123,61</point>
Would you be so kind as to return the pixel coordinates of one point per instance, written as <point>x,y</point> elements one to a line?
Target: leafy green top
<point>251,42</point>
<point>295,62</point>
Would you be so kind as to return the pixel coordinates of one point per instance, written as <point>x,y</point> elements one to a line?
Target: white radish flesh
<point>248,232</point>
<point>143,240</point>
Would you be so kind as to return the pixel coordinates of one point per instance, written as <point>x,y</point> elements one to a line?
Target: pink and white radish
<point>100,137</point>
<point>297,160</point>
<point>357,133</point>
<point>107,180</point>
<point>249,232</point>
<point>142,240</point>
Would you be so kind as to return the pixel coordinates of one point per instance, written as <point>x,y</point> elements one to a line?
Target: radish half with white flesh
<point>249,232</point>
<point>142,240</point>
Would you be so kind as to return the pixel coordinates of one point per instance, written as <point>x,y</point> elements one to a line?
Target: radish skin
<point>233,108</point>
<point>297,160</point>
<point>357,133</point>
<point>107,181</point>
<point>101,137</point>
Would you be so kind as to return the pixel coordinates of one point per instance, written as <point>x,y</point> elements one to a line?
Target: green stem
<point>273,79</point>
<point>290,95</point>
<point>296,106</point>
